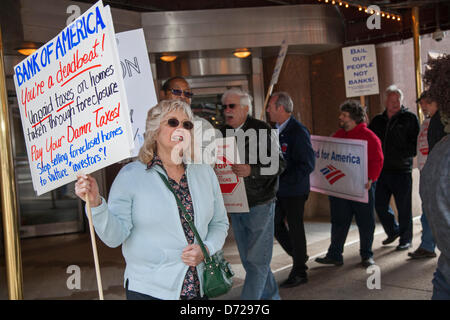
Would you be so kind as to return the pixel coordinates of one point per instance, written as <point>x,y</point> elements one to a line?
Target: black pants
<point>133,295</point>
<point>400,186</point>
<point>342,213</point>
<point>292,238</point>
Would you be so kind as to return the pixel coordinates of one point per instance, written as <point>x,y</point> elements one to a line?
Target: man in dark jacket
<point>254,230</point>
<point>297,150</point>
<point>397,129</point>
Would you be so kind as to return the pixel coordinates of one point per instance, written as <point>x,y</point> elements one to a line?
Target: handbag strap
<point>187,217</point>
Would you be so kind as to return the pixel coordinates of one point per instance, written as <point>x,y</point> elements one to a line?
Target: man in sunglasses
<point>177,88</point>
<point>254,230</point>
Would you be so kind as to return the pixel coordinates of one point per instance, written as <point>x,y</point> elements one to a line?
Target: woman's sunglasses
<point>174,123</point>
<point>178,93</point>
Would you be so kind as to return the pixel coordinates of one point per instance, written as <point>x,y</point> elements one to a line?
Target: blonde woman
<point>162,259</point>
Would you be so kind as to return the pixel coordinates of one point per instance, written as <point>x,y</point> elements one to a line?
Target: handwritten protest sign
<point>360,70</point>
<point>341,168</point>
<point>137,75</point>
<point>72,102</point>
<point>232,186</point>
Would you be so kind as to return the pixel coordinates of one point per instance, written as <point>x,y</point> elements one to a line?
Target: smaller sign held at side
<point>232,186</point>
<point>360,70</point>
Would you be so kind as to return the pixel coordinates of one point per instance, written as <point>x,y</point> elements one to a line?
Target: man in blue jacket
<point>293,192</point>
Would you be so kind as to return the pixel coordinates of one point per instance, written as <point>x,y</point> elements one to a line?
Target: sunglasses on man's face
<point>231,106</point>
<point>178,93</point>
<point>174,123</point>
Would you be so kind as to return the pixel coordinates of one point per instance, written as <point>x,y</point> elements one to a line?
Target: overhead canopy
<point>433,13</point>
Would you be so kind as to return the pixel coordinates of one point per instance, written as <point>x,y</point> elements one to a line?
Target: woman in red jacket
<point>351,121</point>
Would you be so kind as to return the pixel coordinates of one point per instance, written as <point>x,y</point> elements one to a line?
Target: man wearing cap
<point>430,134</point>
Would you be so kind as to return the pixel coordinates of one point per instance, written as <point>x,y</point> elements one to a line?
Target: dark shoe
<point>326,260</point>
<point>390,239</point>
<point>293,282</point>
<point>404,246</point>
<point>421,253</point>
<point>367,262</point>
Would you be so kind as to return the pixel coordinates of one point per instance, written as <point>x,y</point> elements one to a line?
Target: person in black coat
<point>294,187</point>
<point>397,129</point>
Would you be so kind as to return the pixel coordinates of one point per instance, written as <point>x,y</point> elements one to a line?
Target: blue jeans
<point>441,289</point>
<point>427,237</point>
<point>254,234</point>
<point>342,212</point>
<point>398,184</point>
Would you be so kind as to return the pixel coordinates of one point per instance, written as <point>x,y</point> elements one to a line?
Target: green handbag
<point>218,275</point>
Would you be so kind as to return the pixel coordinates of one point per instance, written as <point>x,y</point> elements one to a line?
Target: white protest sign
<point>341,168</point>
<point>422,144</point>
<point>73,103</point>
<point>137,75</point>
<point>279,64</point>
<point>276,73</point>
<point>232,186</point>
<point>360,70</point>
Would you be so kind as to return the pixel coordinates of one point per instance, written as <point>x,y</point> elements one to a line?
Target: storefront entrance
<point>56,212</point>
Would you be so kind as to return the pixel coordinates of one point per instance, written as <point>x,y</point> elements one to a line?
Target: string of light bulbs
<point>383,14</point>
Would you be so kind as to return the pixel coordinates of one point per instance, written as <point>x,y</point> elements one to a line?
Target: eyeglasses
<point>174,123</point>
<point>231,106</point>
<point>178,93</point>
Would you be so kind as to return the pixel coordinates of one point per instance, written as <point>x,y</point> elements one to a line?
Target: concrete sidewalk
<point>46,260</point>
<point>401,278</point>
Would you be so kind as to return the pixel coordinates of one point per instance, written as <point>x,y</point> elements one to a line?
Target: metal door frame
<point>45,229</point>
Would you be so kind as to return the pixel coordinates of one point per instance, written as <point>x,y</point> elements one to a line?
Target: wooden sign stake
<point>94,249</point>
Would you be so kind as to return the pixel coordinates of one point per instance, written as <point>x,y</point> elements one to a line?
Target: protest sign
<point>422,144</point>
<point>232,186</point>
<point>276,73</point>
<point>281,55</point>
<point>360,70</point>
<point>341,168</point>
<point>72,102</point>
<point>137,75</point>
